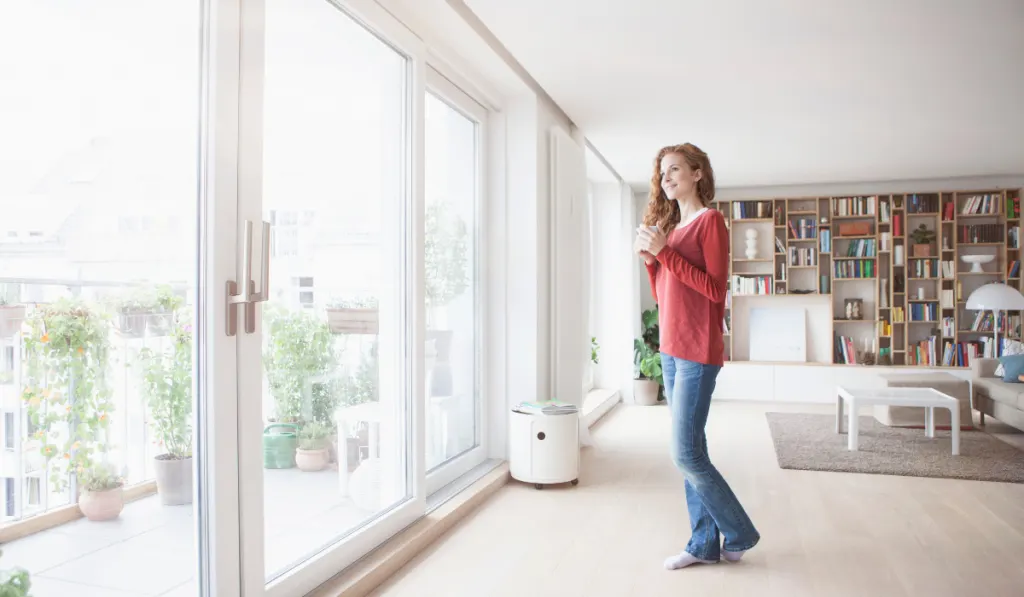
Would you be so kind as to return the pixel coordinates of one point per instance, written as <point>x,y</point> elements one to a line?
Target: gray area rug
<point>809,442</point>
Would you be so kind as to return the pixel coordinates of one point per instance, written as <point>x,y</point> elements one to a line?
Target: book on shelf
<point>924,311</point>
<point>861,247</point>
<point>803,256</point>
<point>948,327</point>
<point>981,205</point>
<point>752,210</point>
<point>922,204</point>
<point>968,234</point>
<point>948,269</point>
<point>803,228</point>
<point>853,269</point>
<point>924,352</point>
<point>924,268</point>
<point>854,206</point>
<point>946,299</point>
<point>751,284</point>
<point>825,240</point>
<point>1013,207</point>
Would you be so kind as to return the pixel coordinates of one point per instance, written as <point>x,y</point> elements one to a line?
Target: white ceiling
<point>785,91</point>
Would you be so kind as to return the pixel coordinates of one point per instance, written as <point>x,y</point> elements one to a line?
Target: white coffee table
<point>926,398</point>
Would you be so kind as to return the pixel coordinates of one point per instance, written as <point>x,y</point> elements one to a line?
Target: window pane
<point>334,328</point>
<point>99,113</point>
<point>450,255</point>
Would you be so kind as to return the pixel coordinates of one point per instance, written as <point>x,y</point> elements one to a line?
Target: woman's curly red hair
<point>661,211</point>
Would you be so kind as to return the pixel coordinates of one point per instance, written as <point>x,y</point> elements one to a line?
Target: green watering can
<point>279,447</point>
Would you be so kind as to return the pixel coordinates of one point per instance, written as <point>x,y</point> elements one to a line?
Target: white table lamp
<point>996,297</point>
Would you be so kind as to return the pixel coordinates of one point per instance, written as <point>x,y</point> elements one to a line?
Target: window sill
<point>597,403</point>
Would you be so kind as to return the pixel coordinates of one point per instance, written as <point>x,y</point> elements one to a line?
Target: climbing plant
<point>67,390</point>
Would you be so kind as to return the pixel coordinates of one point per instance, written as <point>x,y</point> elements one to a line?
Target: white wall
<point>614,308</point>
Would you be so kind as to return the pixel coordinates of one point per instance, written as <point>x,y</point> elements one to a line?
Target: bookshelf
<point>897,295</point>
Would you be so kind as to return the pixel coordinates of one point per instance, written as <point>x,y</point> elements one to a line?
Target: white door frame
<point>216,442</point>
<point>335,558</point>
<point>443,88</point>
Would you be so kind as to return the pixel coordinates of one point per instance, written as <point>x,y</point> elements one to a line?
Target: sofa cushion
<point>998,390</point>
<point>1010,347</point>
<point>1013,367</point>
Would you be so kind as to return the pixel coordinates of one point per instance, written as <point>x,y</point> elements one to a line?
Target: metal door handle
<point>248,296</point>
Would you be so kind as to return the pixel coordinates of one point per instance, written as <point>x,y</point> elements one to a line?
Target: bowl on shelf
<point>976,261</point>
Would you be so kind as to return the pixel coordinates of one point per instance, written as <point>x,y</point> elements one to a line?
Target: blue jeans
<point>712,505</point>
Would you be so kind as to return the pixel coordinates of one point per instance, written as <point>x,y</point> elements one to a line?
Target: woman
<point>686,247</point>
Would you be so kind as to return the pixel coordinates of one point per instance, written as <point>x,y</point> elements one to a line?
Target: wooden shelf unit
<point>902,293</point>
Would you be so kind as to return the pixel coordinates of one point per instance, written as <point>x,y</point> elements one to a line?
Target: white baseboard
<point>597,403</point>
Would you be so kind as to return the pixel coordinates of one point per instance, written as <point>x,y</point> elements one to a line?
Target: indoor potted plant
<point>312,455</point>
<point>647,374</point>
<point>100,493</point>
<point>922,238</point>
<point>167,380</point>
<point>647,384</point>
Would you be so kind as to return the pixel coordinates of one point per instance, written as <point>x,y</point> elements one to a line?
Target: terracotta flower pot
<point>101,505</point>
<point>311,461</point>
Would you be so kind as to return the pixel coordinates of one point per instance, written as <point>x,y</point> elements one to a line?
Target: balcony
<point>96,390</point>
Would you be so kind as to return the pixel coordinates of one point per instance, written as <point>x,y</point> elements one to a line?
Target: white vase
<point>751,251</point>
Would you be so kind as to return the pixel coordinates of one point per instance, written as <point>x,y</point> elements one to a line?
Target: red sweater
<point>689,280</point>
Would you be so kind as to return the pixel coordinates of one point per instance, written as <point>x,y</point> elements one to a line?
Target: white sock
<point>683,560</point>
<point>732,556</point>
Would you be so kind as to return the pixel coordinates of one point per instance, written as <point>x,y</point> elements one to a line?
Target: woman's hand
<point>638,246</point>
<point>652,241</point>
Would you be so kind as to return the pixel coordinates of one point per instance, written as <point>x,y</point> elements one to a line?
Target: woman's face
<point>677,178</point>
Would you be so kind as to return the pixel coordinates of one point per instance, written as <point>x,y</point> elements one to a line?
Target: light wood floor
<point>823,534</point>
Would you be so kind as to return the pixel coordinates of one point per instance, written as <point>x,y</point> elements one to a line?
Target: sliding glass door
<point>240,307</point>
<point>453,166</point>
<point>107,256</point>
<point>327,401</point>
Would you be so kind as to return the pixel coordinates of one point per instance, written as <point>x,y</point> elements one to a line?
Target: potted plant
<point>167,383</point>
<point>447,277</point>
<point>299,348</point>
<point>647,378</point>
<point>311,455</point>
<point>353,315</point>
<point>11,317</point>
<point>14,582</point>
<point>647,384</point>
<point>922,238</point>
<point>67,392</point>
<point>143,309</point>
<point>101,495</point>
<point>167,303</point>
